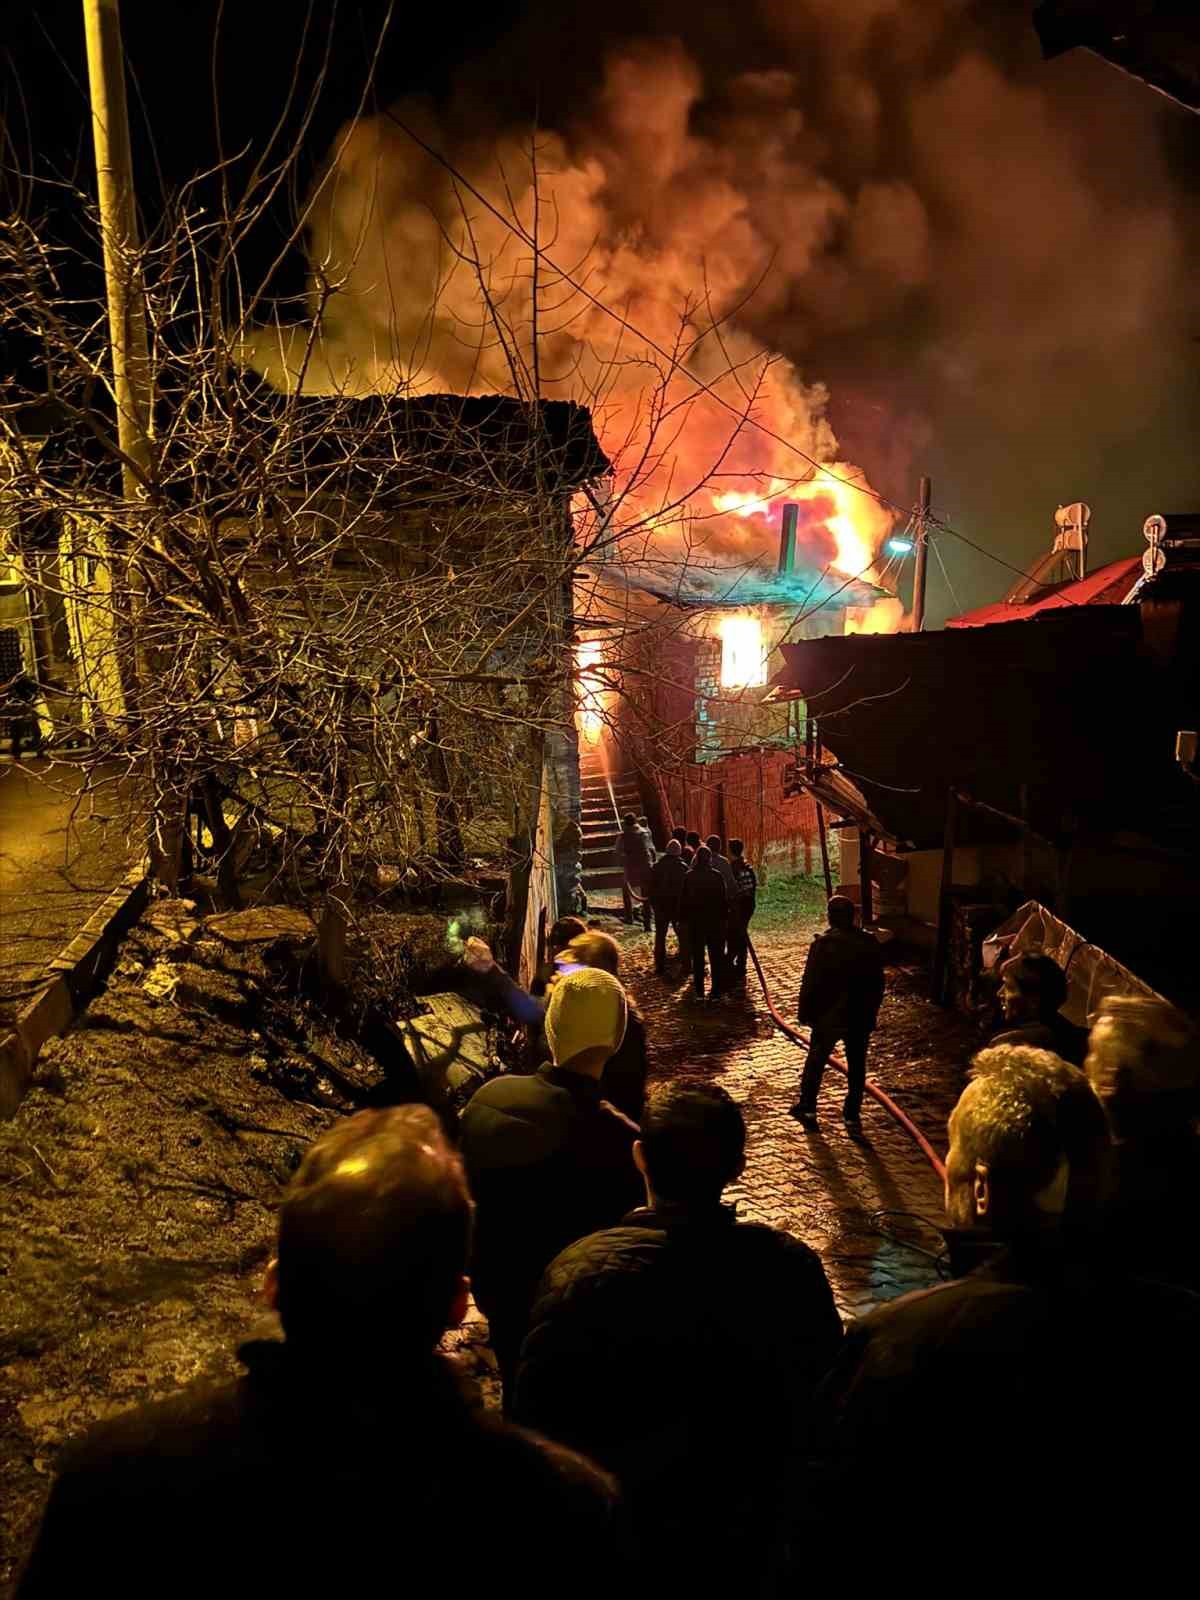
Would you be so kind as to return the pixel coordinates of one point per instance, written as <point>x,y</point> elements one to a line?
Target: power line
<point>672,360</point>
<point>946,576</point>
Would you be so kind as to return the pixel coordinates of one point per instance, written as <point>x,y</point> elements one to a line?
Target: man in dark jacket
<point>704,907</point>
<point>548,1159</point>
<point>1036,1407</point>
<point>840,996</point>
<point>336,1465</point>
<point>1033,990</point>
<point>741,909</point>
<point>666,886</point>
<point>635,853</point>
<point>680,1350</point>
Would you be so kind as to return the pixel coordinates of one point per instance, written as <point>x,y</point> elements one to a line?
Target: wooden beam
<point>824,850</point>
<point>866,857</point>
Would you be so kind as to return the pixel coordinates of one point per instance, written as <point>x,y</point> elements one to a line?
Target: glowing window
<point>743,662</point>
<point>590,698</point>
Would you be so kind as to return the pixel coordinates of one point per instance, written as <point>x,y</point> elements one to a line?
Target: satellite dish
<point>1073,518</point>
<point>1155,558</point>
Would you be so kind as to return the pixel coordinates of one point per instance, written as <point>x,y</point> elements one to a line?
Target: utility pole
<point>118,224</point>
<point>922,553</point>
<point>131,382</point>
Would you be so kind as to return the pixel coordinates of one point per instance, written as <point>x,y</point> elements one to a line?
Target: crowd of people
<point>683,1411</point>
<point>696,891</point>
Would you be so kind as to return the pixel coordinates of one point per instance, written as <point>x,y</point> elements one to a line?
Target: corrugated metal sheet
<point>1106,586</point>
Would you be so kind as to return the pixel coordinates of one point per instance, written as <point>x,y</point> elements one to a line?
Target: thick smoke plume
<point>977,250</point>
<point>421,283</point>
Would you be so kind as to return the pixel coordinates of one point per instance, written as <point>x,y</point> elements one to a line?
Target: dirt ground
<point>138,1186</point>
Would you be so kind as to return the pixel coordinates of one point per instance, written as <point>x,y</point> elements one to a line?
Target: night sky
<point>1024,327</point>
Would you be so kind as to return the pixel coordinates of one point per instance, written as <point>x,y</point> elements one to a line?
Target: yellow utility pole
<point>118,223</point>
<point>131,372</point>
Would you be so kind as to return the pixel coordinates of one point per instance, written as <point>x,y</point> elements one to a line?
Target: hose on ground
<point>797,1036</point>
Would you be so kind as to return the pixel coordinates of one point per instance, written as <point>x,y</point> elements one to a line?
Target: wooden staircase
<point>601,827</point>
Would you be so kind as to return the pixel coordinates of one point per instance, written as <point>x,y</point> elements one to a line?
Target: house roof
<point>1157,41</point>
<point>1108,585</point>
<point>694,587</point>
<point>469,444</point>
<point>1073,704</point>
<point>379,449</point>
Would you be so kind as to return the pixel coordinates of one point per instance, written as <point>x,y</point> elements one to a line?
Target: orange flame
<point>858,525</point>
<point>885,616</point>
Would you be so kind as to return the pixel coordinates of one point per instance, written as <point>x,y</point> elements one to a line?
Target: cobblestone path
<point>823,1187</point>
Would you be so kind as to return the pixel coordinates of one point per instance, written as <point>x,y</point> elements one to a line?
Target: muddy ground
<point>139,1181</point>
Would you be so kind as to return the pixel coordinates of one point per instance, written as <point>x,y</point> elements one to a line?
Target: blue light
<point>899,547</point>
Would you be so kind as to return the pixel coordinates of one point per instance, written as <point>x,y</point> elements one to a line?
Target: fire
<point>851,519</point>
<point>588,655</point>
<point>742,505</point>
<point>743,661</point>
<point>850,524</point>
<point>885,616</point>
<point>661,240</point>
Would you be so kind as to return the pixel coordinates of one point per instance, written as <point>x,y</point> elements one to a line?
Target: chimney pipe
<point>787,537</point>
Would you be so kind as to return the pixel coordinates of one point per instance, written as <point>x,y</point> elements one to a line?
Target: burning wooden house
<point>694,723</point>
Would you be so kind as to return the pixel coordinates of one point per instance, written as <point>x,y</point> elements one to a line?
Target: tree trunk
<point>449,830</point>
<point>331,943</point>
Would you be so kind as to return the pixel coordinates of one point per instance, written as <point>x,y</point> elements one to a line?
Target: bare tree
<point>334,634</point>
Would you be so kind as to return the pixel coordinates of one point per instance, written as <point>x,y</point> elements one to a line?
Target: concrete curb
<point>74,976</point>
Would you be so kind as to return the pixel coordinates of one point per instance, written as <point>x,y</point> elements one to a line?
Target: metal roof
<point>691,586</point>
<point>1107,586</point>
<point>1072,704</point>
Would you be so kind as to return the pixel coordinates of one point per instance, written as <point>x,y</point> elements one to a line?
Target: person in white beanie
<point>549,1160</point>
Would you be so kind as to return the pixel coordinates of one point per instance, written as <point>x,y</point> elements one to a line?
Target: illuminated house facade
<point>712,752</point>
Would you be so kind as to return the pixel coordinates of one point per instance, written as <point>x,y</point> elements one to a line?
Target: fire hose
<point>877,1094</point>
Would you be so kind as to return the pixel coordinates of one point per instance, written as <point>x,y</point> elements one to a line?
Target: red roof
<point>1107,586</point>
